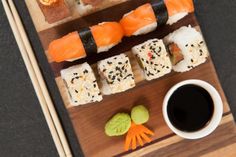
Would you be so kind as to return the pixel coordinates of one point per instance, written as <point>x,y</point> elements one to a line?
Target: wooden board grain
<point>222,142</point>
<point>89,120</point>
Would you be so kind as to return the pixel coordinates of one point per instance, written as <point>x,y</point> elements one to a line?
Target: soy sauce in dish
<point>190,108</point>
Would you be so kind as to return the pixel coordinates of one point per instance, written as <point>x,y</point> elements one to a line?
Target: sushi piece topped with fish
<point>187,48</point>
<point>116,74</point>
<point>178,9</point>
<point>77,45</point>
<point>147,17</point>
<point>81,84</point>
<point>153,58</point>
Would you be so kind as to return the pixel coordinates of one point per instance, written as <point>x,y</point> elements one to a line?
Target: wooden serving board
<point>89,120</point>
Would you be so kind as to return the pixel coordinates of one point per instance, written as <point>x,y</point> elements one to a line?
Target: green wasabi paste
<point>118,125</point>
<point>139,114</point>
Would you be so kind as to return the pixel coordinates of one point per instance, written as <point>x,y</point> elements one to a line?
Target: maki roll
<point>187,48</point>
<point>153,58</point>
<point>116,74</point>
<point>147,17</point>
<point>81,84</point>
<point>95,39</point>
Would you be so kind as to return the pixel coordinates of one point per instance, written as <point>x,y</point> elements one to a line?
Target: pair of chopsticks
<point>37,79</point>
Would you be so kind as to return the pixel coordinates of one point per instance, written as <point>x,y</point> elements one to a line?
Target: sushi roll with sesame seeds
<point>82,87</point>
<point>116,74</point>
<point>153,58</point>
<point>187,48</point>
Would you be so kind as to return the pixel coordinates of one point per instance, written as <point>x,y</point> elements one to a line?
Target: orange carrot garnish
<point>137,133</point>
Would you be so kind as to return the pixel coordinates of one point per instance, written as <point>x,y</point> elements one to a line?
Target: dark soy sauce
<point>190,108</point>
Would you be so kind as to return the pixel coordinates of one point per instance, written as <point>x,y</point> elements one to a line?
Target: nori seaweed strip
<point>160,11</point>
<point>88,41</point>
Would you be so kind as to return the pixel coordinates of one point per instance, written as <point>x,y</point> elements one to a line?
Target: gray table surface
<point>23,129</point>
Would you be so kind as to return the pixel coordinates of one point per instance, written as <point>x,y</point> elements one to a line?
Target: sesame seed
<point>85,71</point>
<point>72,81</point>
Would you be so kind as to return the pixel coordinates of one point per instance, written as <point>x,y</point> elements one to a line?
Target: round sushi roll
<point>187,48</point>
<point>77,45</point>
<point>147,17</point>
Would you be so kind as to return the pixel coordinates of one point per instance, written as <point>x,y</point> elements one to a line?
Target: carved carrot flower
<point>121,123</point>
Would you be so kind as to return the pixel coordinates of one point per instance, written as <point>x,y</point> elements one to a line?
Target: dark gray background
<point>23,129</point>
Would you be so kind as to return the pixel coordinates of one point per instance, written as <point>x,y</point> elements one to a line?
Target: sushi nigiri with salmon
<point>77,45</point>
<point>147,17</point>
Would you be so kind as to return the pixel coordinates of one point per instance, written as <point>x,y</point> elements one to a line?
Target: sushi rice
<point>153,58</point>
<point>175,18</point>
<point>192,46</point>
<point>146,29</point>
<point>82,87</point>
<point>116,74</point>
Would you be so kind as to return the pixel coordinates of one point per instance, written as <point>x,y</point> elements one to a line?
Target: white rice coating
<point>81,84</point>
<point>192,46</point>
<point>175,18</point>
<point>106,48</point>
<point>116,74</point>
<point>146,29</point>
<point>153,58</point>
